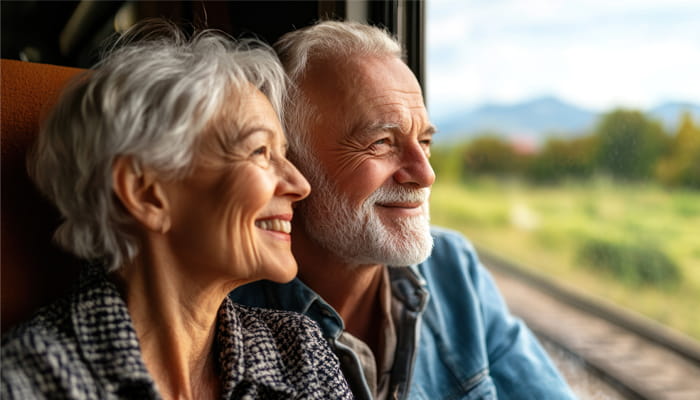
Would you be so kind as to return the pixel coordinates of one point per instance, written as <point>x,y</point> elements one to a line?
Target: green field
<point>641,227</point>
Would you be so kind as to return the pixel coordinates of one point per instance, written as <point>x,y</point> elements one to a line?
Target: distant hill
<point>670,113</point>
<point>537,119</point>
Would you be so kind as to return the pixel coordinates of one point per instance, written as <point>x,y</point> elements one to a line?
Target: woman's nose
<point>293,182</point>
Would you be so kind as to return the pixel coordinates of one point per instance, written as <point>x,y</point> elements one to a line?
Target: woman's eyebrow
<point>230,140</point>
<point>250,130</point>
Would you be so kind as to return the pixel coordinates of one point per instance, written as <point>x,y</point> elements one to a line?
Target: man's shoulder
<point>454,260</point>
<point>448,237</point>
<point>452,246</point>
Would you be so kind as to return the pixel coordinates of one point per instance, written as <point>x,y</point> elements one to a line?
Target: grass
<point>547,229</point>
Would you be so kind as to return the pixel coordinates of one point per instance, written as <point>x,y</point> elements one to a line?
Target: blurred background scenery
<point>569,142</point>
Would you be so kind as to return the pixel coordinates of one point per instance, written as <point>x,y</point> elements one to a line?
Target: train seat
<point>33,270</point>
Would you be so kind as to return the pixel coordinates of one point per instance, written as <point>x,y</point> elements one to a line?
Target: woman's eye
<point>261,155</point>
<point>261,151</point>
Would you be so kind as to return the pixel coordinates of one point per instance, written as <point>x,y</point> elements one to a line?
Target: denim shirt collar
<point>409,286</point>
<point>296,296</point>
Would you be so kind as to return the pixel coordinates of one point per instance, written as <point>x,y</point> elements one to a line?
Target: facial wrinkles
<point>354,148</point>
<point>358,235</point>
<point>349,156</point>
<point>237,207</point>
<point>242,234</point>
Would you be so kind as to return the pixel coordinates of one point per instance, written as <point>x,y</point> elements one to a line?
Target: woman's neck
<point>175,321</point>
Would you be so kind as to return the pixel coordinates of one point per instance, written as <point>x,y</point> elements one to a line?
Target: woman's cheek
<point>248,199</point>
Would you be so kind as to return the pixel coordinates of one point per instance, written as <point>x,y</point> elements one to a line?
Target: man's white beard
<point>360,236</point>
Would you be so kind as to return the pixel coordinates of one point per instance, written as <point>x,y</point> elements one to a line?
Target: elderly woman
<point>167,162</point>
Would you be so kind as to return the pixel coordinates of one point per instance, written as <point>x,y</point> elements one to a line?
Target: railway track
<point>640,358</point>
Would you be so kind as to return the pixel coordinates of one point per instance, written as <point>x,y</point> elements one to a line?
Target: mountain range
<point>536,119</point>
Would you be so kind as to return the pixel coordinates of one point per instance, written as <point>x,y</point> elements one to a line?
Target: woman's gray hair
<point>329,41</point>
<point>150,98</point>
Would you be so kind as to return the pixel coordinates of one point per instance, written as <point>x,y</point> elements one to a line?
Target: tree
<point>563,158</point>
<point>488,155</point>
<point>446,160</point>
<point>629,144</point>
<point>682,165</point>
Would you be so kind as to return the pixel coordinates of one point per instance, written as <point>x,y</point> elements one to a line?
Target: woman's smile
<point>277,224</point>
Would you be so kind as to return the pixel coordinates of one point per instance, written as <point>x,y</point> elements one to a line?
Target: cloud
<point>595,53</point>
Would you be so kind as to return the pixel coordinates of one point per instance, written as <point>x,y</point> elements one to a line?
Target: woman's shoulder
<point>311,366</point>
<point>51,324</point>
<point>295,338</point>
<point>278,322</point>
<point>51,327</point>
<point>37,352</point>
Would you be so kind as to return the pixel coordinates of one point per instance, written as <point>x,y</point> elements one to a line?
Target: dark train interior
<point>70,33</point>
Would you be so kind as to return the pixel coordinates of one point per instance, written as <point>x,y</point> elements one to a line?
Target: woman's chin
<point>283,274</point>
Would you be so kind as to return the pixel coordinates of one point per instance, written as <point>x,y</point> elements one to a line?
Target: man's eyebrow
<point>368,130</point>
<point>387,126</point>
<point>430,130</point>
<point>380,126</point>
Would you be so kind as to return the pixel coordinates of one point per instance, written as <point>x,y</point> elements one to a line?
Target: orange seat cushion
<point>34,271</point>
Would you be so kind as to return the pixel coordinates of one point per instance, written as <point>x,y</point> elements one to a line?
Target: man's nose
<point>415,167</point>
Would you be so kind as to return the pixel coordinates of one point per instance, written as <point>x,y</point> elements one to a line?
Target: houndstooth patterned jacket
<point>85,347</point>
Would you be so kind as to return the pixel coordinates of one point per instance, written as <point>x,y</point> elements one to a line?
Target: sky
<point>596,54</point>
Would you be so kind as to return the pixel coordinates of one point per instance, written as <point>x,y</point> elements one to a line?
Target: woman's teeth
<point>275,225</point>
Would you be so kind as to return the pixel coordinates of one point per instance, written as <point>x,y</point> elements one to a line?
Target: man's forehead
<point>364,92</point>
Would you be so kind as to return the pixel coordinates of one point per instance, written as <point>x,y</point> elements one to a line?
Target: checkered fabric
<point>85,347</point>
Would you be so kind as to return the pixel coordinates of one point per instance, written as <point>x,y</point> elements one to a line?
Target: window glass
<point>569,142</point>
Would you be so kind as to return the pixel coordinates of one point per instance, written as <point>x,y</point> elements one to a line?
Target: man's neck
<point>352,290</point>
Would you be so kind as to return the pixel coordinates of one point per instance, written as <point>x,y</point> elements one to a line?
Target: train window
<point>568,151</point>
<point>569,143</point>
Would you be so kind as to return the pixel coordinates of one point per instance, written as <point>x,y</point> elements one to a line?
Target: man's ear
<point>141,194</point>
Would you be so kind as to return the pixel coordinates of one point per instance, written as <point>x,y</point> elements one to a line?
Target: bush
<point>632,264</point>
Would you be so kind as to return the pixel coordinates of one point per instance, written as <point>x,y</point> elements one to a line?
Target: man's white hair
<point>334,41</point>
<point>150,98</point>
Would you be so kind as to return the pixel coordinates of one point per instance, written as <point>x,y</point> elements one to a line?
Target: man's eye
<point>380,142</point>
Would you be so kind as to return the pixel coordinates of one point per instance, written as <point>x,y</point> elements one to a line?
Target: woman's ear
<point>141,194</point>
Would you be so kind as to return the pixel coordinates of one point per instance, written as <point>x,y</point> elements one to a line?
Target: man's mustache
<point>399,194</point>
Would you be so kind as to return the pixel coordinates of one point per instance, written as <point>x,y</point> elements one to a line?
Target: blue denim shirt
<point>456,338</point>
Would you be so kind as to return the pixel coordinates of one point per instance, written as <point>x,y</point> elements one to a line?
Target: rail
<point>643,358</point>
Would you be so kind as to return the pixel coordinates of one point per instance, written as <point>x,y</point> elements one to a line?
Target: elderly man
<point>410,311</point>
